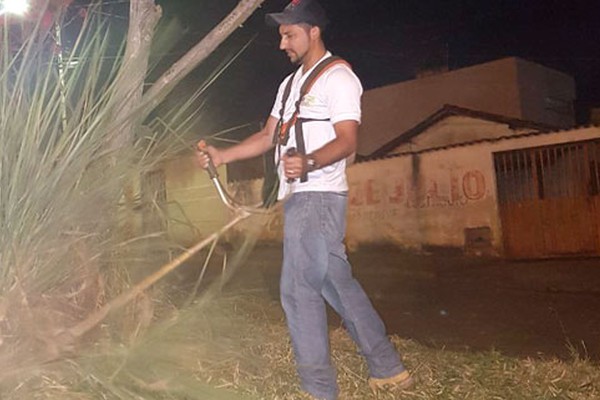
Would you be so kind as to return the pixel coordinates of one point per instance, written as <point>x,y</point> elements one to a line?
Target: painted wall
<point>430,198</point>
<point>267,227</point>
<point>193,206</point>
<point>493,87</point>
<point>413,200</point>
<point>421,199</point>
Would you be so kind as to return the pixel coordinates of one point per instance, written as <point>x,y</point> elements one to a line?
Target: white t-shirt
<point>334,95</point>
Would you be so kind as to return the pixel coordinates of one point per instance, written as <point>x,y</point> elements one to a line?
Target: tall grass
<point>66,248</point>
<point>56,195</point>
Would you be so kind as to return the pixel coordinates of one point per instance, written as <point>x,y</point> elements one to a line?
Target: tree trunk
<point>143,18</point>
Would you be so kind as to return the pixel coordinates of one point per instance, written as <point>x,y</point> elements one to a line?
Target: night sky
<point>386,41</point>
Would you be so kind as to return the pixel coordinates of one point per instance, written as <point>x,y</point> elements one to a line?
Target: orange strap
<point>315,74</point>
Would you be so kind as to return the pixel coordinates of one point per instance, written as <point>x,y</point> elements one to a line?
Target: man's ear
<point>315,32</point>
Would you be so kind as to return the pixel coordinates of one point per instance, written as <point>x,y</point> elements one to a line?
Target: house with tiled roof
<point>482,184</point>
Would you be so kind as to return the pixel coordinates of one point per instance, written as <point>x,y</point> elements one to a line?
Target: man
<point>313,185</point>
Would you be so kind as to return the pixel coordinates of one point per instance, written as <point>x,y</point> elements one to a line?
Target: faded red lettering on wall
<point>454,189</point>
<point>457,190</point>
<point>474,185</point>
<point>356,194</point>
<point>397,194</point>
<point>373,192</point>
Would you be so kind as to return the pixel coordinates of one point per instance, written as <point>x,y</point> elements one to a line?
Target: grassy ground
<point>236,347</point>
<point>440,374</point>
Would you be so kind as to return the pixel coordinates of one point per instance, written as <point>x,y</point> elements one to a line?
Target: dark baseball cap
<point>297,12</point>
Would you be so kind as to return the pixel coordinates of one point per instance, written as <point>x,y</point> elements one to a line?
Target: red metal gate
<point>549,198</point>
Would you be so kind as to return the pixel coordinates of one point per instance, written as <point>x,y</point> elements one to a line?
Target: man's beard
<point>295,58</point>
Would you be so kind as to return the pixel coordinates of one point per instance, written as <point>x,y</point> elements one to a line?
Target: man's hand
<point>294,164</point>
<point>206,153</point>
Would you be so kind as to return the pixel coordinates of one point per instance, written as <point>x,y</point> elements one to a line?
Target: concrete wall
<point>595,116</point>
<point>493,87</point>
<point>422,199</point>
<point>414,200</point>
<point>268,226</point>
<point>429,199</point>
<point>196,211</point>
<point>193,207</point>
<point>547,95</point>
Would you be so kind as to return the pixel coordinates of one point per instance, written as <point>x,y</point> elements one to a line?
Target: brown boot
<point>402,381</point>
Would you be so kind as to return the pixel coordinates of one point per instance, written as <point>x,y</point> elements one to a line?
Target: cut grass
<point>440,374</point>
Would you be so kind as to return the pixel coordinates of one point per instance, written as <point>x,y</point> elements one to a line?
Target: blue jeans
<point>315,270</point>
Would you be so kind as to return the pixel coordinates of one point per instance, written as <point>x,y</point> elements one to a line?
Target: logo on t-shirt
<point>309,100</point>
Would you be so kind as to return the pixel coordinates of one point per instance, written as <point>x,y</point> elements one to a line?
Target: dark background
<point>386,41</point>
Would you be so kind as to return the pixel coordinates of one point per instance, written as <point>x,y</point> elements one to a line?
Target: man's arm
<point>255,145</point>
<point>342,146</point>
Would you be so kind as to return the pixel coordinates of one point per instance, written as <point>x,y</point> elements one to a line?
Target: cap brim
<point>276,19</point>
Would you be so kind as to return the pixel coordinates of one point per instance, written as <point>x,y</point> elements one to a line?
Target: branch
<point>124,298</point>
<point>163,86</point>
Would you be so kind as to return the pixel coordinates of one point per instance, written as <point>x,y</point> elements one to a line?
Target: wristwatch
<point>311,163</point>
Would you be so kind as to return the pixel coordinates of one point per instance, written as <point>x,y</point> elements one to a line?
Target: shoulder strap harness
<point>283,128</point>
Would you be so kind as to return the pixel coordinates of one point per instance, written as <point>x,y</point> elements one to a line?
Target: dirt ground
<point>544,308</point>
